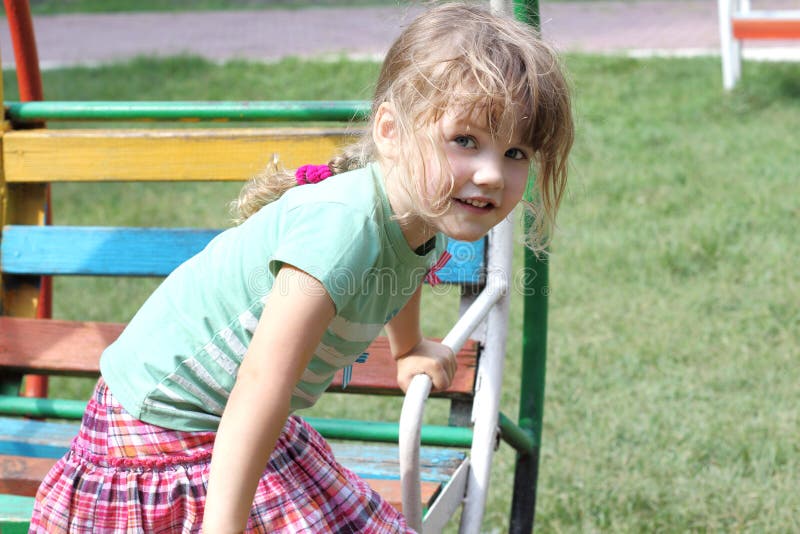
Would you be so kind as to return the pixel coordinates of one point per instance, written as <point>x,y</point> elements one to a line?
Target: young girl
<point>192,421</point>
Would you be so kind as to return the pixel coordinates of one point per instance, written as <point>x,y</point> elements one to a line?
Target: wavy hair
<point>463,58</point>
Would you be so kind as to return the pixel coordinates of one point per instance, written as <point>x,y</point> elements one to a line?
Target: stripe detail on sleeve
<point>248,321</point>
<point>222,359</point>
<point>233,342</point>
<point>315,378</point>
<point>210,404</point>
<point>354,332</point>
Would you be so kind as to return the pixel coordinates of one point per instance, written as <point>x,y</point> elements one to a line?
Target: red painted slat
<point>766,28</point>
<point>391,491</point>
<point>74,348</point>
<point>20,475</point>
<point>63,347</point>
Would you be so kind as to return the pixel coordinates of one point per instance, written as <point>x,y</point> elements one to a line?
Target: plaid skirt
<point>124,475</point>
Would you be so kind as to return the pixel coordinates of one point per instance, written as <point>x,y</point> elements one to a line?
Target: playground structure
<point>437,477</point>
<point>738,23</point>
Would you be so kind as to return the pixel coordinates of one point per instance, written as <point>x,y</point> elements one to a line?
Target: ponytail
<point>272,182</point>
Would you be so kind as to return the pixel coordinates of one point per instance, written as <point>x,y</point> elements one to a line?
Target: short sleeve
<point>330,242</point>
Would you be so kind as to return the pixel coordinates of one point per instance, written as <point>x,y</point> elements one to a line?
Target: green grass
<point>672,395</point>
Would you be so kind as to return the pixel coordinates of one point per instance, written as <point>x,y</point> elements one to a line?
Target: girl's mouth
<point>474,205</point>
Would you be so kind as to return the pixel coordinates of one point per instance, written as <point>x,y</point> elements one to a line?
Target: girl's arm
<point>414,354</point>
<point>295,316</point>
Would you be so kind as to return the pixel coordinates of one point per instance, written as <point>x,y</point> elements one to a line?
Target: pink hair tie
<point>312,174</point>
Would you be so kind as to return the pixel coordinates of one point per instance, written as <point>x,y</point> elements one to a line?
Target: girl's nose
<point>489,173</point>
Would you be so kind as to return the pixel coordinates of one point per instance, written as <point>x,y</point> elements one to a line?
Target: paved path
<point>648,27</point>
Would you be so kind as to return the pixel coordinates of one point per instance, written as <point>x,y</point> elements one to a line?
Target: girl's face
<point>489,175</point>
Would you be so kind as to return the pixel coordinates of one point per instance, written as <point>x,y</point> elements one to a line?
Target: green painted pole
<point>345,110</point>
<point>514,435</point>
<point>442,436</point>
<point>534,346</point>
<point>41,407</point>
<point>534,357</point>
<point>528,12</point>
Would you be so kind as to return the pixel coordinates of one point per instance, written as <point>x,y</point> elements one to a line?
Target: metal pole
<point>29,80</point>
<point>273,111</point>
<point>489,378</point>
<point>528,12</point>
<point>534,354</point>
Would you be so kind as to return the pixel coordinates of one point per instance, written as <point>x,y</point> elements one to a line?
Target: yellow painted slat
<point>25,204</point>
<point>156,155</point>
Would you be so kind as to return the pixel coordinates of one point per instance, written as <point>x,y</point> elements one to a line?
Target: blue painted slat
<point>36,439</point>
<point>117,251</point>
<point>381,461</point>
<point>41,439</point>
<point>30,450</point>
<point>466,265</point>
<point>100,251</point>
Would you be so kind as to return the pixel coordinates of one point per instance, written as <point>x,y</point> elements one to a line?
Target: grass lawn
<point>671,403</point>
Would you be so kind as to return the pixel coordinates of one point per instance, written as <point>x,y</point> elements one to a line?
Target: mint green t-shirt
<point>176,362</point>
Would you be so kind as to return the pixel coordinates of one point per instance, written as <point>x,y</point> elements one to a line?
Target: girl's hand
<point>427,358</point>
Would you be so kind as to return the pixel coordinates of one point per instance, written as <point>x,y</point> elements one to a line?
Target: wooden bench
<point>47,346</point>
<point>738,23</point>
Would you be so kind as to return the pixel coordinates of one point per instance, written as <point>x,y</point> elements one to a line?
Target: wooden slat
<point>121,251</point>
<point>23,204</point>
<point>45,346</point>
<point>21,475</point>
<point>381,461</point>
<point>392,492</point>
<point>44,439</point>
<point>29,448</point>
<point>99,251</point>
<point>378,374</point>
<point>35,439</point>
<point>466,265</point>
<point>161,155</point>
<point>751,28</point>
<point>54,346</point>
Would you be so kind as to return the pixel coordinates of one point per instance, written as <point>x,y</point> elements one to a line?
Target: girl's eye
<point>465,141</point>
<point>515,153</point>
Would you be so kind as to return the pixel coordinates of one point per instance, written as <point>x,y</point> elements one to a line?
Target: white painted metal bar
<point>417,394</point>
<point>419,389</point>
<point>489,381</point>
<point>729,48</point>
<point>725,37</point>
<point>409,443</point>
<point>742,10</point>
<point>476,313</point>
<point>744,5</point>
<point>500,6</point>
<point>451,497</point>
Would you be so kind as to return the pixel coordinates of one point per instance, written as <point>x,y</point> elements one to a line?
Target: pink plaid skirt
<point>124,475</point>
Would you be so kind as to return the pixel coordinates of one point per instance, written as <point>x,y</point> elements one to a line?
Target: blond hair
<point>462,57</point>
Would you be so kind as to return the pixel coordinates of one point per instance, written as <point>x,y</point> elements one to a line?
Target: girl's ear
<point>384,131</point>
